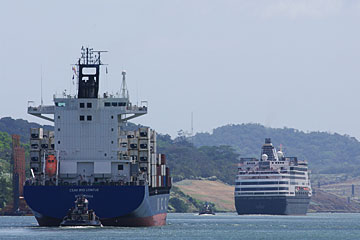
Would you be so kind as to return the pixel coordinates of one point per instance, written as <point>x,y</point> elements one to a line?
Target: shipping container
<point>143,156</point>
<point>144,133</point>
<point>34,145</point>
<point>36,133</point>
<point>45,143</point>
<point>133,143</point>
<point>144,144</point>
<point>130,134</point>
<point>153,135</point>
<point>160,181</point>
<point>163,159</point>
<point>158,170</point>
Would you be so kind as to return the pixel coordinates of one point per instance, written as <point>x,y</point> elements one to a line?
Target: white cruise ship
<point>274,184</point>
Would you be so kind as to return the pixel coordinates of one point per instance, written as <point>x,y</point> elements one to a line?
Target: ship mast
<point>89,73</point>
<point>124,90</point>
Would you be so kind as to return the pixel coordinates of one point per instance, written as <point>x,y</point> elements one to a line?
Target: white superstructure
<point>272,175</point>
<point>89,140</point>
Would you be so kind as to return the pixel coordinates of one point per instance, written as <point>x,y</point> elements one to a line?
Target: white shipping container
<point>153,181</point>
<point>130,134</point>
<point>144,133</point>
<point>51,134</point>
<point>160,185</point>
<point>46,133</point>
<point>35,145</point>
<point>36,133</point>
<point>153,147</point>
<point>144,144</point>
<point>159,159</point>
<point>163,170</point>
<point>153,169</point>
<point>153,135</point>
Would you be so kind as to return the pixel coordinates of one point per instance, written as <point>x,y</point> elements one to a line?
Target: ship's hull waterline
<point>272,205</point>
<point>128,206</point>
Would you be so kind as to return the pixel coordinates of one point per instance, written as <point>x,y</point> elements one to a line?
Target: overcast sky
<point>277,63</point>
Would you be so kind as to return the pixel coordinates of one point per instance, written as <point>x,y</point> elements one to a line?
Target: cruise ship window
<point>112,117</point>
<point>89,117</point>
<point>82,105</point>
<point>58,129</point>
<point>58,117</point>
<point>89,105</point>
<point>58,142</point>
<point>120,167</point>
<point>82,117</point>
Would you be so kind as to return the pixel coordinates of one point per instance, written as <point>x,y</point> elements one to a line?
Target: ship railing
<point>134,108</point>
<point>41,109</point>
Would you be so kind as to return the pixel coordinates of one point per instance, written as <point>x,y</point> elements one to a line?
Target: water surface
<point>191,226</point>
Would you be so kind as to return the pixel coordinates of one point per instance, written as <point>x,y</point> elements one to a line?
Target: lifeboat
<point>51,165</point>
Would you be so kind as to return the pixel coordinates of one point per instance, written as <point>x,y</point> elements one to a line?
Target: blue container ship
<point>92,153</point>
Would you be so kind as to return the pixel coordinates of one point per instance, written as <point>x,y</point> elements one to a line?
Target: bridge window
<point>89,105</point>
<point>82,117</point>
<point>60,104</point>
<point>114,104</point>
<point>89,117</point>
<point>107,104</point>
<point>82,105</point>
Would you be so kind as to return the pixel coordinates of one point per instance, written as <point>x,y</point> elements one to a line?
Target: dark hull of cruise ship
<point>126,206</point>
<point>272,205</point>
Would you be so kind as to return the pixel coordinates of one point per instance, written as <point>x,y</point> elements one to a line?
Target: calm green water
<point>190,226</point>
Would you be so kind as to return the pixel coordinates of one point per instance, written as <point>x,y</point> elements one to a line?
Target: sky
<point>280,63</point>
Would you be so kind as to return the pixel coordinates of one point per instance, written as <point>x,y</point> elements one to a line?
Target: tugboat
<point>80,215</point>
<point>206,210</point>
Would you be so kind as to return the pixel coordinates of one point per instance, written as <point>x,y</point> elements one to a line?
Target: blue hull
<point>114,205</point>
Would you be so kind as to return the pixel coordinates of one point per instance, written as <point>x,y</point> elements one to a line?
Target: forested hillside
<point>188,162</point>
<point>20,127</point>
<point>5,156</point>
<point>325,152</point>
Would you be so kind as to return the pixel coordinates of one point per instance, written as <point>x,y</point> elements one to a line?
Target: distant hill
<point>20,127</point>
<point>325,152</point>
<point>189,162</point>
